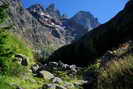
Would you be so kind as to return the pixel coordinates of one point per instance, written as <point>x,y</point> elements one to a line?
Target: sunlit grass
<point>118,74</point>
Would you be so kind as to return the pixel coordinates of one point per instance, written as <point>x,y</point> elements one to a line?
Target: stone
<point>22,59</point>
<point>69,85</point>
<point>60,87</point>
<point>65,66</point>
<point>53,86</point>
<point>46,75</point>
<point>17,87</point>
<point>49,86</point>
<point>35,68</point>
<point>24,62</point>
<point>57,80</point>
<point>53,65</point>
<point>73,68</point>
<point>81,82</point>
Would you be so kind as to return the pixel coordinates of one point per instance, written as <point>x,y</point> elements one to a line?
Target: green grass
<point>26,82</point>
<point>10,45</point>
<point>20,46</point>
<point>12,72</point>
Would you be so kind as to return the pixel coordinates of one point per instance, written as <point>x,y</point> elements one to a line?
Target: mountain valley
<point>41,48</point>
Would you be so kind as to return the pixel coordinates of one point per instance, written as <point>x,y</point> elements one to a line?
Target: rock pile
<point>48,72</point>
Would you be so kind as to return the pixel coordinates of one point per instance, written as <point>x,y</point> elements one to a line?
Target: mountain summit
<point>86,19</point>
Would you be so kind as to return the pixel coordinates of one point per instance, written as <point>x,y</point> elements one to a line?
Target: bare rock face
<point>30,28</point>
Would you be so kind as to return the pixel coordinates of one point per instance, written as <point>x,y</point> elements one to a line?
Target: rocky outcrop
<point>96,42</point>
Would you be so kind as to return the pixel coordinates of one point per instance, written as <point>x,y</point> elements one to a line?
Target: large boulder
<point>35,68</point>
<point>53,86</point>
<point>46,75</point>
<point>69,85</point>
<point>49,86</point>
<point>57,80</point>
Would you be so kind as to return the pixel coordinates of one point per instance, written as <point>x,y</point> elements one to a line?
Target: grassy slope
<point>12,73</point>
<point>118,75</point>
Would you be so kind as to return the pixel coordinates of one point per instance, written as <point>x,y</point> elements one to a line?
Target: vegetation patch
<point>118,75</point>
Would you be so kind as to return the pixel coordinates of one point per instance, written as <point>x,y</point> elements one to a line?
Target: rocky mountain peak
<point>36,8</point>
<point>54,12</point>
<point>84,13</point>
<point>86,19</point>
<point>52,7</point>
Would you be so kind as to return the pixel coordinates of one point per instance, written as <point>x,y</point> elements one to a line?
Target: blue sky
<point>102,9</point>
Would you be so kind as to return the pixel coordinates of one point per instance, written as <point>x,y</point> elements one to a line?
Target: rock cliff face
<point>96,42</point>
<point>42,27</point>
<point>30,28</point>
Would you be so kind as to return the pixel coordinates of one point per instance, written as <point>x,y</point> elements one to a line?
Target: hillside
<point>96,42</point>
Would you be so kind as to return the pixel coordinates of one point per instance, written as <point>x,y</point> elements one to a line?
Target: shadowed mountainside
<point>96,42</point>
